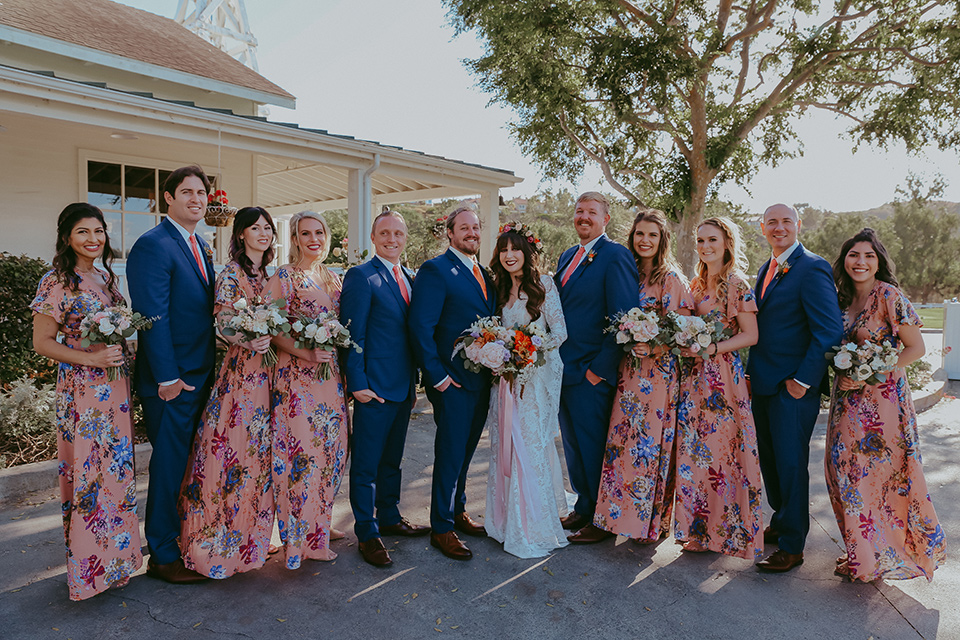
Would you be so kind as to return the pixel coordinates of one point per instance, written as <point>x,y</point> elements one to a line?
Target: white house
<point>99,100</point>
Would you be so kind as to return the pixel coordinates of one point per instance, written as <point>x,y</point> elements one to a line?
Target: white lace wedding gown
<point>527,518</point>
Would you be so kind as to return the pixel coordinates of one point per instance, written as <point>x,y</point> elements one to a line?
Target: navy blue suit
<point>165,280</point>
<point>373,305</point>
<point>447,299</point>
<point>604,284</point>
<point>798,321</point>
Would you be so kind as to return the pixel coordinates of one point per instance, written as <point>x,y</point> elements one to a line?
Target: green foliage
<point>27,422</point>
<point>919,374</point>
<point>673,99</point>
<point>19,277</point>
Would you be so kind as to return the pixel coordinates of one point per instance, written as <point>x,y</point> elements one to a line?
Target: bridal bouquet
<point>868,362</point>
<point>323,332</point>
<point>694,332</point>
<point>109,326</point>
<point>256,319</point>
<point>509,352</point>
<point>635,326</point>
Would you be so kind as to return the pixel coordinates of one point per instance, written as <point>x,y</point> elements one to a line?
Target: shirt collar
<point>468,261</point>
<point>183,232</point>
<point>587,248</point>
<point>789,252</point>
<point>389,265</point>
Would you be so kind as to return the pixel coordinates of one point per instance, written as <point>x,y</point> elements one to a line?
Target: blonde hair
<point>329,279</point>
<point>734,259</point>
<point>595,196</point>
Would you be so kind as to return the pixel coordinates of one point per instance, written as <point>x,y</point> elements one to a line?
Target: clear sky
<point>391,71</point>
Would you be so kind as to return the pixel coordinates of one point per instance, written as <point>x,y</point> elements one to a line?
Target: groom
<point>171,277</point>
<point>451,291</point>
<point>596,279</point>
<point>798,319</point>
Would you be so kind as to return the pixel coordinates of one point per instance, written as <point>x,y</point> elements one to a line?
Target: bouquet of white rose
<point>868,362</point>
<point>635,326</point>
<point>323,332</point>
<point>257,319</point>
<point>696,333</point>
<point>112,325</point>
<point>509,352</point>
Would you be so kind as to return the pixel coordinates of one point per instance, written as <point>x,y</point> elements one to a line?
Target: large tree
<point>672,98</point>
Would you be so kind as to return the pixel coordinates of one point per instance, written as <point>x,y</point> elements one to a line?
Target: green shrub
<point>19,277</point>
<point>919,374</point>
<point>28,417</point>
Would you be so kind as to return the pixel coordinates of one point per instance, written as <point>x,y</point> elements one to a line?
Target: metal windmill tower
<point>224,24</point>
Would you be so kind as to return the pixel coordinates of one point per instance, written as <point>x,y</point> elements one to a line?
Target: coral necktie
<point>573,266</point>
<point>769,277</point>
<point>479,277</point>
<point>196,255</point>
<point>401,283</point>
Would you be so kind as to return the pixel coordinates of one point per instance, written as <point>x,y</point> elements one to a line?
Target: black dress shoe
<point>590,534</point>
<point>780,561</point>
<point>450,545</point>
<point>375,553</point>
<point>573,521</point>
<point>463,523</point>
<point>771,536</point>
<point>174,573</point>
<point>404,528</point>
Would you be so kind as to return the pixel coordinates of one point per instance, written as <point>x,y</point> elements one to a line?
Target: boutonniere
<point>207,250</point>
<point>783,269</point>
<point>590,256</point>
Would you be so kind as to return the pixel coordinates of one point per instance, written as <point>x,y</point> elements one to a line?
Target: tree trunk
<point>690,219</point>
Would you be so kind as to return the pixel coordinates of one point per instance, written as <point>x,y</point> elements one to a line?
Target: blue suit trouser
<point>379,434</point>
<point>784,428</point>
<point>171,427</point>
<point>584,422</point>
<point>460,415</point>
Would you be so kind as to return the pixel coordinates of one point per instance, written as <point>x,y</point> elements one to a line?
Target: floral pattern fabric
<point>227,502</point>
<point>718,506</point>
<point>873,464</point>
<point>638,477</point>
<point>310,429</point>
<point>95,448</point>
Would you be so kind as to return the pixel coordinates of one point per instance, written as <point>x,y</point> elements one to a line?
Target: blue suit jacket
<point>598,289</point>
<point>373,305</point>
<point>447,299</point>
<point>165,281</point>
<point>798,321</point>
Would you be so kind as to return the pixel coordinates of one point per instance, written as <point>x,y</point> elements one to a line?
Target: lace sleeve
<point>553,314</point>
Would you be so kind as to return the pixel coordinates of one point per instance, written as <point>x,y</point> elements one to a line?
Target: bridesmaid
<point>94,430</point>
<point>718,473</point>
<point>309,416</point>
<point>638,478</point>
<point>873,467</point>
<point>227,498</point>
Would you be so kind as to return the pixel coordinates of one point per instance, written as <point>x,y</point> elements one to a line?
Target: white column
<point>490,221</point>
<point>951,339</point>
<point>355,230</point>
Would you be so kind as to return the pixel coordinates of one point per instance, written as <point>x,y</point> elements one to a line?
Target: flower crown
<point>525,231</point>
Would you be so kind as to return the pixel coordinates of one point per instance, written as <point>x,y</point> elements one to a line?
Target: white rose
<point>864,372</point>
<point>322,334</point>
<point>622,337</point>
<point>704,340</point>
<point>843,360</point>
<point>106,328</point>
<point>492,356</point>
<point>310,330</point>
<point>240,304</point>
<point>297,326</point>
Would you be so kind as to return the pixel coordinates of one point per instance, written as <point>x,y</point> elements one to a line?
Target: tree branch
<point>600,160</point>
<point>830,107</point>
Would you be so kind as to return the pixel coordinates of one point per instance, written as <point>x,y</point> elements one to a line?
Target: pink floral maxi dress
<point>718,504</point>
<point>310,429</point>
<point>873,466</point>
<point>95,447</point>
<point>227,498</point>
<point>638,477</point>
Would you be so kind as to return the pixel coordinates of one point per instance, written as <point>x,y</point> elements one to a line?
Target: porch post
<point>355,231</point>
<point>490,223</point>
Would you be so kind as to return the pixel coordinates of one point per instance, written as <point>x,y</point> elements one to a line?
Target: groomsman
<point>799,321</point>
<point>597,279</point>
<point>170,275</point>
<point>382,379</point>
<point>450,293</point>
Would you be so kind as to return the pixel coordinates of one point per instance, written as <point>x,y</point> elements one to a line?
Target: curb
<point>17,482</point>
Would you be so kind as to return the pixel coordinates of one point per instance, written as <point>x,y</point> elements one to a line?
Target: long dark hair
<point>663,261</point>
<point>885,266</point>
<point>64,259</point>
<point>246,218</point>
<point>529,278</point>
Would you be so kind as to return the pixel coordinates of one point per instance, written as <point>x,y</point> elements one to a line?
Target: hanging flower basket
<point>219,214</point>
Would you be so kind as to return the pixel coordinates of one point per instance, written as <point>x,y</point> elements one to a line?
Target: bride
<point>525,492</point>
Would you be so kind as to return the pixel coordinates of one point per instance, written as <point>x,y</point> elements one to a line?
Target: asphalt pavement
<point>615,589</point>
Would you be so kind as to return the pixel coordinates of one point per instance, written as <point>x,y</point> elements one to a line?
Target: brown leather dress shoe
<point>404,528</point>
<point>573,521</point>
<point>780,561</point>
<point>375,553</point>
<point>463,523</point>
<point>590,534</point>
<point>174,573</point>
<point>771,536</point>
<point>450,545</point>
